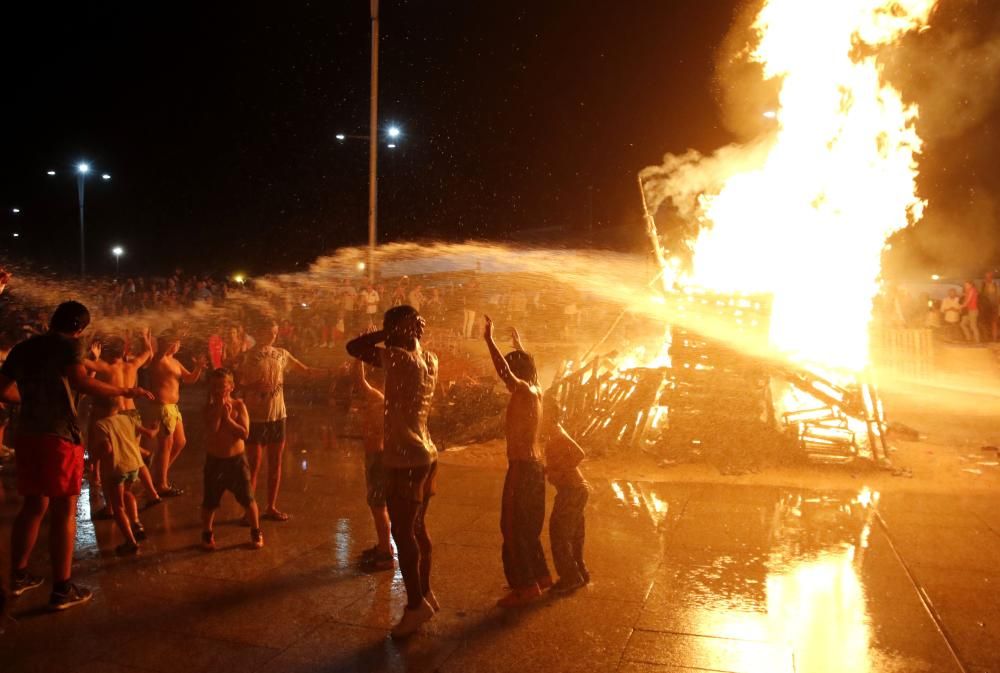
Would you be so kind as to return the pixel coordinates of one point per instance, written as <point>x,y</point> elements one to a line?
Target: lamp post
<point>117,251</point>
<point>373,148</point>
<point>82,171</point>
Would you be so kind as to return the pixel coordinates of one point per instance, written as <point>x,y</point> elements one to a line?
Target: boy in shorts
<point>566,523</point>
<point>227,425</point>
<point>378,557</point>
<point>120,458</point>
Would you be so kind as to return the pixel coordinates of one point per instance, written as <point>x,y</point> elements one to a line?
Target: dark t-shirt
<point>48,404</point>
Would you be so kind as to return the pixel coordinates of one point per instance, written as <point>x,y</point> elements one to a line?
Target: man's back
<point>39,365</point>
<point>410,378</point>
<point>164,376</point>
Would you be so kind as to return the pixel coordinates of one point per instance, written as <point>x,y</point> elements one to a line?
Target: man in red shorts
<point>49,372</point>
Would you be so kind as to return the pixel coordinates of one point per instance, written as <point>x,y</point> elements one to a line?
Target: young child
<point>378,557</point>
<point>117,450</point>
<point>566,523</point>
<point>523,510</point>
<point>227,425</point>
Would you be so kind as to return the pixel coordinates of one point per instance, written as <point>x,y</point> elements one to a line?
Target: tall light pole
<point>117,251</point>
<point>373,149</point>
<point>82,170</point>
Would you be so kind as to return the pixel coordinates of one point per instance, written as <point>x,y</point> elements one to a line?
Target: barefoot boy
<point>378,557</point>
<point>523,509</point>
<point>409,456</point>
<point>262,381</point>
<point>166,375</point>
<point>566,523</point>
<point>227,425</point>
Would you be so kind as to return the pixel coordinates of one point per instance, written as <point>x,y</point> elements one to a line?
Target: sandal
<point>276,516</point>
<point>170,492</point>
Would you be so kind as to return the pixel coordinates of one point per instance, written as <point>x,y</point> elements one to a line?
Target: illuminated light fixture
<point>340,136</point>
<point>50,172</point>
<point>117,251</point>
<point>239,278</point>
<point>16,235</point>
<point>394,132</point>
<point>15,210</point>
<point>361,266</point>
<point>770,114</point>
<point>83,167</point>
<point>392,146</point>
<point>935,277</point>
<point>105,176</point>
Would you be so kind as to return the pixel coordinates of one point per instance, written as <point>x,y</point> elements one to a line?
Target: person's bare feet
<point>275,515</point>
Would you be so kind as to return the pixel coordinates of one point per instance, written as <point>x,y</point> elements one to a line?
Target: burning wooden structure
<point>707,399</point>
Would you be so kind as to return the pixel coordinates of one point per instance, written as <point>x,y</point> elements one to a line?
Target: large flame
<point>805,212</point>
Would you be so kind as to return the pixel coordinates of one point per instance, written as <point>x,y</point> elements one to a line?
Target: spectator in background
<point>989,305</point>
<point>417,298</point>
<point>370,299</point>
<point>970,316</point>
<point>951,312</point>
<point>470,303</point>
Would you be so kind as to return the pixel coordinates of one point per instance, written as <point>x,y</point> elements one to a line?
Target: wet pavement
<point>687,577</point>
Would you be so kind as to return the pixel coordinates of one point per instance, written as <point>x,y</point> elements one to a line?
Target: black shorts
<point>416,484</point>
<point>267,432</point>
<point>227,474</point>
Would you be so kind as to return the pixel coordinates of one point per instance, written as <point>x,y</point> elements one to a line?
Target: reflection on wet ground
<point>686,577</point>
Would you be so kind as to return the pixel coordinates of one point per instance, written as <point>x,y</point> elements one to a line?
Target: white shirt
<point>370,298</point>
<point>951,307</point>
<point>410,379</point>
<point>265,366</point>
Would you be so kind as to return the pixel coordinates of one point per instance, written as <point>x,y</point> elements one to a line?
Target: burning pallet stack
<point>713,400</point>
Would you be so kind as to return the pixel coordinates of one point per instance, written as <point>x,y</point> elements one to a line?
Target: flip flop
<point>275,516</point>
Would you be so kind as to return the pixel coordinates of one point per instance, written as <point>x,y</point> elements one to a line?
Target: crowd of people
<point>135,432</point>
<point>970,314</point>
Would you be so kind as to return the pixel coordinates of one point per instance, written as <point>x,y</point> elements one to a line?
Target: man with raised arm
<point>166,375</point>
<point>46,374</point>
<point>408,456</point>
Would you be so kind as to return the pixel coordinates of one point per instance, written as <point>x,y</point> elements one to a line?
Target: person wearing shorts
<point>227,426</point>
<point>49,375</point>
<point>409,455</point>
<point>262,381</point>
<point>116,443</point>
<point>169,416</point>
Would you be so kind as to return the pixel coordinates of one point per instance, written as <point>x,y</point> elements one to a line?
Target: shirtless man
<point>262,380</point>
<point>523,507</point>
<point>166,375</point>
<point>110,366</point>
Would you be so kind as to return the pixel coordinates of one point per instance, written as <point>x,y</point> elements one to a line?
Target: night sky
<point>217,123</point>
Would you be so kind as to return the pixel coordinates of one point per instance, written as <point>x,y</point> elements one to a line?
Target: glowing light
<point>117,251</point>
<point>16,235</point>
<point>935,277</point>
<point>50,172</point>
<point>394,132</point>
<point>83,167</point>
<point>391,146</point>
<point>767,225</point>
<point>239,278</point>
<point>105,176</point>
<point>361,266</point>
<point>341,136</point>
<point>15,210</point>
<point>770,114</point>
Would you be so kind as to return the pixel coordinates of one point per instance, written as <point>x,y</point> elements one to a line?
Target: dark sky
<point>217,122</point>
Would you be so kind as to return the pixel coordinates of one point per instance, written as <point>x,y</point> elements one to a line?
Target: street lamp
<point>82,170</point>
<point>117,251</point>
<point>15,210</point>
